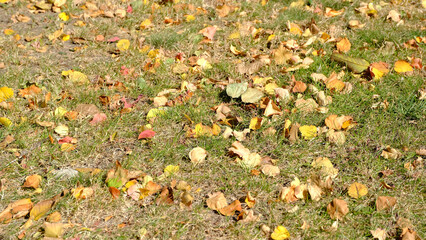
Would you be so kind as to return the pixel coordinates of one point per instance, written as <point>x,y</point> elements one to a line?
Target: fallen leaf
<point>32,181</point>
<point>379,69</point>
<point>394,15</point>
<point>270,170</point>
<point>7,140</point>
<point>390,153</point>
<point>357,65</point>
<point>308,132</point>
<point>231,208</point>
<point>82,192</point>
<point>339,123</point>
<point>5,93</point>
<point>54,217</point>
<point>76,77</point>
<point>238,149</point>
<point>337,209</point>
<point>250,161</point>
<point>117,176</point>
<point>280,233</point>
<point>250,201</point>
<point>255,123</point>
<point>166,196</point>
<point>5,121</point>
<point>216,201</point>
<point>208,32</point>
<point>409,234</point>
<point>171,170</point>
<point>235,90</point>
<point>343,45</point>
<point>379,233</point>
<point>98,118</point>
<point>272,109</point>
<point>115,193</point>
<point>325,165</point>
<point>357,190</point>
<point>146,134</point>
<point>64,16</point>
<point>252,95</point>
<point>186,199</point>
<point>384,202</point>
<point>17,209</point>
<point>123,45</point>
<point>299,87</point>
<point>62,130</point>
<point>197,155</point>
<point>402,66</point>
<point>53,230</point>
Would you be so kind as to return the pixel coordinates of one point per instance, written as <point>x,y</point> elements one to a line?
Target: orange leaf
<point>32,181</point>
<point>343,45</point>
<point>402,66</point>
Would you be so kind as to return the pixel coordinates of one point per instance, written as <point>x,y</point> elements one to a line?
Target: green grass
<point>400,125</point>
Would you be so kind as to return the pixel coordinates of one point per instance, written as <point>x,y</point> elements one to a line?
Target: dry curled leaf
<point>337,209</point>
<point>384,202</point>
<point>216,201</point>
<point>32,181</point>
<point>197,155</point>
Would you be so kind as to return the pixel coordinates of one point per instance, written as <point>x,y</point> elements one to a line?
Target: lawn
<point>210,119</point>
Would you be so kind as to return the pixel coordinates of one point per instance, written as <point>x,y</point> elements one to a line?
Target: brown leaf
<point>270,170</point>
<point>238,149</point>
<point>337,209</point>
<point>166,196</point>
<point>15,210</point>
<point>216,201</point>
<point>87,109</point>
<point>53,230</point>
<point>390,153</point>
<point>409,234</point>
<point>186,199</point>
<point>41,208</point>
<point>114,192</point>
<point>293,134</point>
<point>231,208</point>
<point>32,181</point>
<point>54,217</point>
<point>197,155</point>
<point>7,140</point>
<point>29,91</point>
<point>379,233</point>
<point>299,87</point>
<point>149,189</point>
<point>384,202</point>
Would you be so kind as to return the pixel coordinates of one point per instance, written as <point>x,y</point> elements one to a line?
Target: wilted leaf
<point>250,201</point>
<point>197,155</point>
<point>146,134</point>
<point>325,165</point>
<point>251,95</point>
<point>82,192</point>
<point>402,66</point>
<point>357,65</point>
<point>280,233</point>
<point>250,161</point>
<point>394,15</point>
<point>165,197</point>
<point>384,202</point>
<point>5,121</point>
<point>41,208</point>
<point>123,45</point>
<point>76,76</point>
<point>379,233</point>
<point>339,123</point>
<point>186,199</point>
<point>5,93</point>
<point>390,153</point>
<point>231,208</point>
<point>53,230</point>
<point>32,181</point>
<point>62,130</point>
<point>235,90</point>
<point>54,217</point>
<point>216,201</point>
<point>115,193</point>
<point>337,209</point>
<point>17,209</point>
<point>98,118</point>
<point>208,32</point>
<point>343,45</point>
<point>170,170</point>
<point>117,177</point>
<point>7,140</point>
<point>299,87</point>
<point>270,170</point>
<point>357,190</point>
<point>379,69</point>
<point>308,132</point>
<point>272,109</point>
<point>255,123</point>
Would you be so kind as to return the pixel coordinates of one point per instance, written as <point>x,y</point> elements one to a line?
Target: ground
<point>81,80</point>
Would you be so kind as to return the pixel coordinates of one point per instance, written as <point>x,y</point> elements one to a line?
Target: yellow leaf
<point>269,88</point>
<point>357,190</point>
<point>82,192</point>
<point>8,31</point>
<point>63,16</point>
<point>255,123</point>
<point>76,76</point>
<point>378,69</point>
<point>271,37</point>
<point>40,209</point>
<point>280,233</point>
<point>402,66</point>
<point>170,170</point>
<point>155,112</point>
<point>67,147</point>
<point>62,130</point>
<point>53,230</point>
<point>204,64</point>
<point>66,37</point>
<point>146,23</point>
<point>234,35</point>
<point>308,132</point>
<point>5,93</point>
<point>190,18</point>
<point>5,121</point>
<point>4,1</point>
<point>123,45</point>
<point>32,181</point>
<point>60,111</point>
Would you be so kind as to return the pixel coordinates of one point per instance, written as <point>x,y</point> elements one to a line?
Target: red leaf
<point>113,39</point>
<point>114,192</point>
<point>146,134</point>
<point>129,9</point>
<point>98,118</point>
<point>66,139</point>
